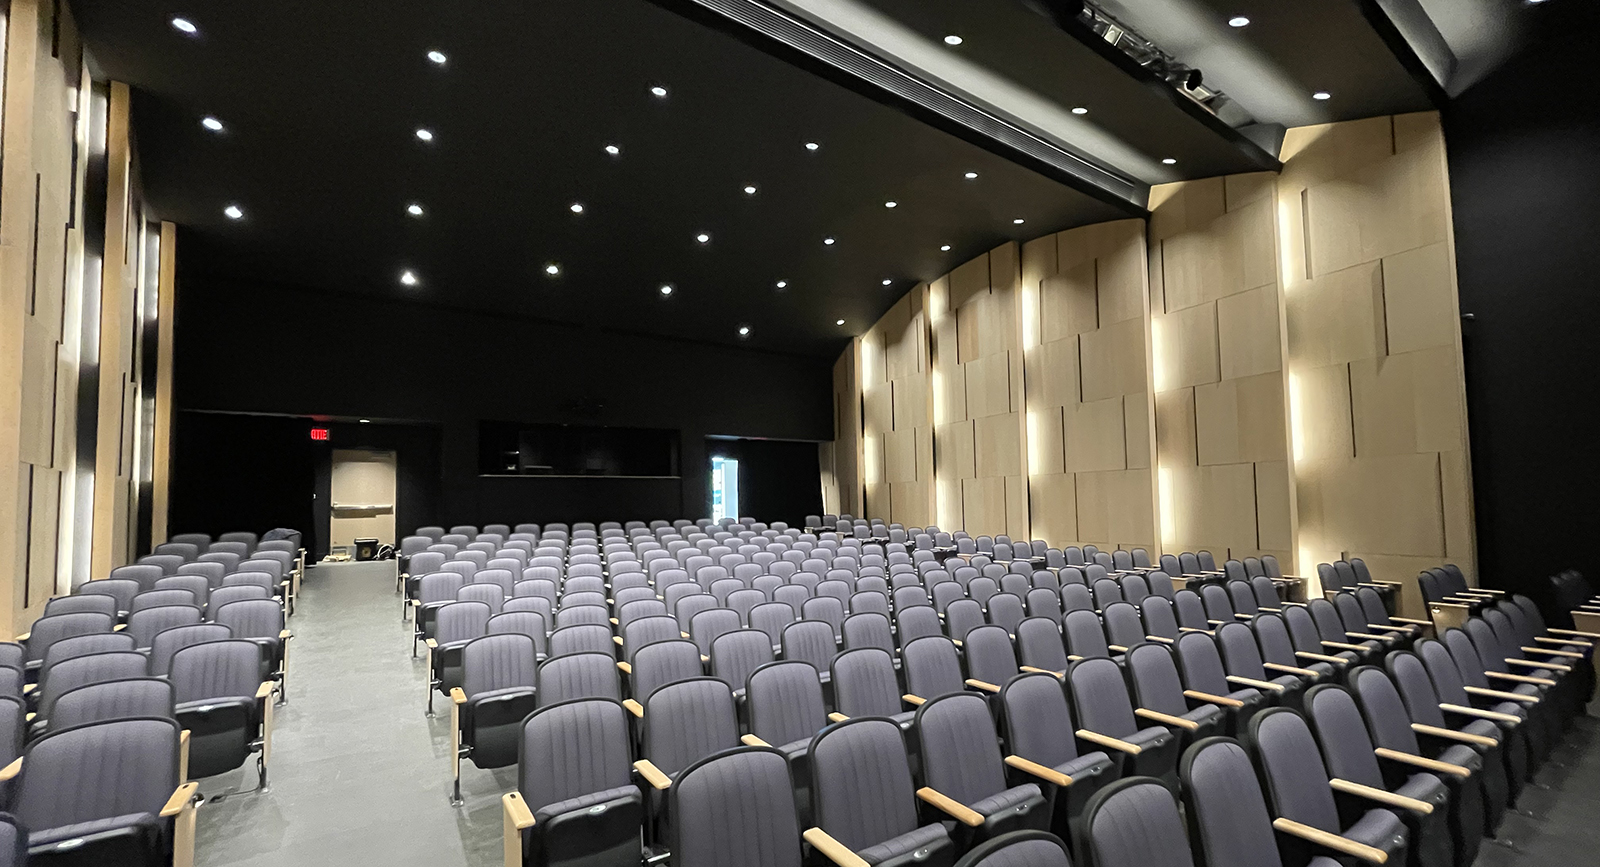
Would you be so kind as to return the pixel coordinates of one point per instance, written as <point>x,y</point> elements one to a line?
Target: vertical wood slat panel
<point>110,545</point>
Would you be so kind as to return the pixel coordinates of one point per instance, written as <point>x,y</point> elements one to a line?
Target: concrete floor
<point>361,776</point>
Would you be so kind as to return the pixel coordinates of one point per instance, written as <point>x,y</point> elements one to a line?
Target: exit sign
<point>320,434</point>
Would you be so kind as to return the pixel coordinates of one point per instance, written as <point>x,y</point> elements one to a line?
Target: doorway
<point>363,493</point>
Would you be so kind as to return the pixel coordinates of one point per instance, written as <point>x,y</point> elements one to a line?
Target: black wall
<point>239,472</point>
<point>257,348</point>
<point>778,481</point>
<point>1524,151</point>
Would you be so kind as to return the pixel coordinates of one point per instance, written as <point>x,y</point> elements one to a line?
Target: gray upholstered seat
<point>83,645</point>
<point>1153,676</point>
<point>169,641</point>
<point>1241,657</point>
<point>961,760</point>
<point>113,699</point>
<point>91,602</point>
<point>514,621</point>
<point>1227,810</point>
<point>991,660</point>
<point>868,629</point>
<point>1123,627</point>
<point>48,630</point>
<point>220,700</point>
<point>862,795</point>
<point>734,808</point>
<point>1084,635</point>
<point>1039,645</point>
<point>932,668</point>
<point>1100,700</point>
<point>499,688</point>
<point>581,637</point>
<point>1297,786</point>
<point>1019,849</point>
<point>120,589</point>
<point>1511,728</point>
<point>736,654</point>
<point>146,574</point>
<point>579,675</point>
<point>1278,651</point>
<point>80,670</point>
<point>1200,663</point>
<point>1135,823</point>
<point>158,598</point>
<point>1037,724</point>
<point>683,723</point>
<point>864,684</point>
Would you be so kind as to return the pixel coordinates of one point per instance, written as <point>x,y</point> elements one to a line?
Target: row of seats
<point>123,693</point>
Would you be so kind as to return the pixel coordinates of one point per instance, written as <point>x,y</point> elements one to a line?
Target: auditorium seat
<point>226,706</point>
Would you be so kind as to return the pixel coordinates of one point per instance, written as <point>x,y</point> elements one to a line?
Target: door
<point>363,497</point>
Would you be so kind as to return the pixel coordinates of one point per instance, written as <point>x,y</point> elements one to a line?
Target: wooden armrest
<point>430,643</point>
<point>1410,620</point>
<point>285,635</point>
<point>1334,842</point>
<point>624,667</point>
<point>517,814</point>
<point>1489,590</point>
<point>832,849</point>
<point>913,700</point>
<point>1058,674</point>
<point>1049,775</point>
<point>1576,632</point>
<point>1258,684</point>
<point>1109,741</point>
<point>1380,796</point>
<point>1166,719</point>
<point>837,717</point>
<point>1215,622</point>
<point>1480,714</point>
<point>265,689</point>
<point>1245,617</point>
<point>1392,628</point>
<point>1421,762</point>
<point>1194,629</point>
<point>180,799</point>
<point>1565,642</point>
<point>1566,654</point>
<point>684,634</point>
<point>10,771</point>
<point>1289,669</point>
<point>457,696</point>
<point>23,637</point>
<point>1073,657</point>
<point>1453,735</point>
<point>1340,645</point>
<point>1365,636</point>
<point>1269,609</point>
<point>982,684</point>
<point>951,807</point>
<point>1159,639</point>
<point>1519,678</point>
<point>652,774</point>
<point>634,707</point>
<point>1321,657</point>
<point>617,640</point>
<point>956,641</point>
<point>753,741</point>
<point>704,660</point>
<point>1447,603</point>
<point>1501,695</point>
<point>1223,700</point>
<point>1116,648</point>
<point>1538,663</point>
<point>29,687</point>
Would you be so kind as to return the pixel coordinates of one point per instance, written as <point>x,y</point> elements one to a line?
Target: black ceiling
<point>321,102</point>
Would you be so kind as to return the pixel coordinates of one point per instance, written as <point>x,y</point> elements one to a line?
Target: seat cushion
<point>911,841</point>
<point>584,802</point>
<point>134,822</point>
<point>1012,797</point>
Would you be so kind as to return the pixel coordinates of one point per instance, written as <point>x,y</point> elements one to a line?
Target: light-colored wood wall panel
<point>996,446</point>
<point>900,455</point>
<point>1096,439</point>
<point>988,385</point>
<point>1175,428</point>
<point>1069,303</point>
<point>1053,377</point>
<point>1112,360</point>
<point>1046,440</point>
<point>1188,351</point>
<point>983,503</point>
<point>1336,317</point>
<point>954,457</point>
<point>1240,420</point>
<point>1136,416</point>
<point>1247,332</point>
<point>1419,300</point>
<point>1407,403</point>
<point>1054,507</point>
<point>1274,528</point>
<point>1387,504</point>
<point>1215,507</point>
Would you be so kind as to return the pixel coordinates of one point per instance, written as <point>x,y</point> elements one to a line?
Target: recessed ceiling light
<point>828,241</point>
<point>365,421</point>
<point>1322,94</point>
<point>839,322</point>
<point>945,248</point>
<point>437,56</point>
<point>782,284</point>
<point>576,207</point>
<point>1078,109</point>
<point>233,212</point>
<point>744,331</point>
<point>703,238</point>
<point>184,25</point>
<point>666,290</point>
<point>1169,161</point>
<point>414,209</point>
<point>407,278</point>
<point>952,39</point>
<point>613,150</point>
<point>971,175</point>
<point>750,189</point>
<point>425,134</point>
<point>659,91</point>
<point>553,269</point>
<point>211,123</point>
<point>1238,21</point>
<point>1017,221</point>
<point>887,282</point>
<point>811,145</point>
<point>891,204</point>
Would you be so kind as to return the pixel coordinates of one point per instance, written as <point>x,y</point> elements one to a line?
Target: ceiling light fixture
<point>666,290</point>
<point>744,331</point>
<point>750,189</point>
<point>828,241</point>
<point>659,91</point>
<point>1322,94</point>
<point>211,123</point>
<point>945,248</point>
<point>972,176</point>
<point>414,209</point>
<point>703,238</point>
<point>576,207</point>
<point>425,134</point>
<point>1078,109</point>
<point>1238,21</point>
<point>553,269</point>
<point>953,39</point>
<point>365,421</point>
<point>782,284</point>
<point>1017,221</point>
<point>233,212</point>
<point>891,204</point>
<point>613,150</point>
<point>839,322</point>
<point>887,282</point>
<point>184,25</point>
<point>437,56</point>
<point>407,278</point>
<point>811,145</point>
<point>1169,161</point>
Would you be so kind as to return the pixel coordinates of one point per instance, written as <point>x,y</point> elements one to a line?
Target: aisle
<point>359,775</point>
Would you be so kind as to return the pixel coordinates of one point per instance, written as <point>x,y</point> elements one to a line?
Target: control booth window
<point>517,449</point>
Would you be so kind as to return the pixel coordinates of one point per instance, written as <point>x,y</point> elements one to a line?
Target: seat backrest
<point>1101,697</point>
<point>1387,721</point>
<point>500,661</point>
<point>489,594</point>
<point>960,753</point>
<point>1242,597</point>
<point>1240,655</point>
<point>48,630</point>
<point>861,789</point>
<point>1135,823</point>
<point>579,638</point>
<point>1201,663</point>
<point>1159,617</point>
<point>810,641</point>
<point>737,653</point>
<point>688,720</point>
<point>578,675</point>
<point>1342,733</point>
<point>83,645</point>
<point>1292,768</point>
<point>157,598</point>
<point>169,641</point>
<point>915,622</point>
<point>1443,676</point>
<point>1038,724</point>
<point>712,805</point>
<point>1039,644</point>
<point>1076,597</point>
<point>868,629</point>
<point>659,663</point>
<point>582,614</point>
<point>1044,602</point>
<point>1153,674</point>
<point>230,668</point>
<point>990,656</point>
<point>864,683</point>
<point>459,622</point>
<point>252,578</point>
<point>1122,624</point>
<point>1160,584</point>
<point>110,700</point>
<point>91,602</point>
<point>144,625</point>
<point>932,667</point>
<point>784,701</point>
<point>81,670</point>
<point>121,589</point>
<point>1226,809</point>
<point>594,728</point>
<point>962,616</point>
<point>1084,635</point>
<point>98,771</point>
<point>1005,610</point>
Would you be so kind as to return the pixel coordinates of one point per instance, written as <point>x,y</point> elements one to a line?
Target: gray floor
<point>361,776</point>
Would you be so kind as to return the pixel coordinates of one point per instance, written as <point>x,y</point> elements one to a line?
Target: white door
<point>363,497</point>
